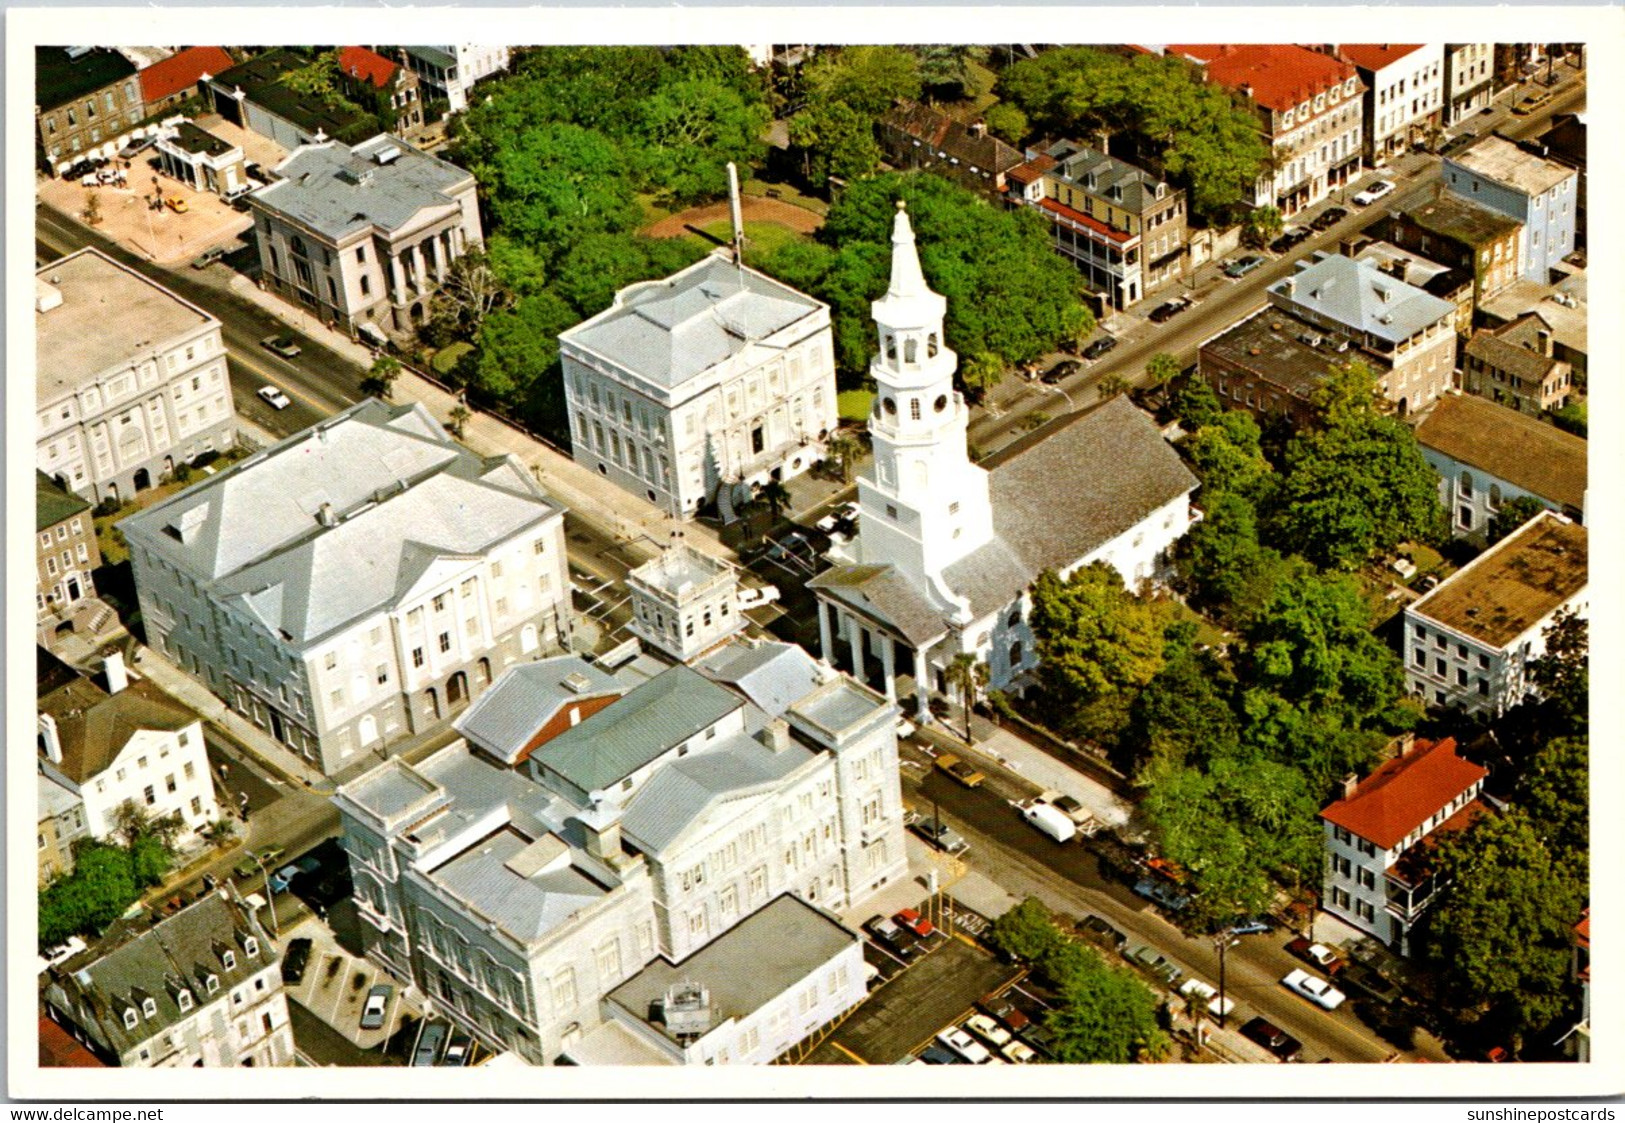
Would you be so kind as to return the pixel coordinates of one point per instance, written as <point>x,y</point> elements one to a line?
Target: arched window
<point>298,245</point>
<point>888,344</point>
<point>932,345</point>
<point>911,350</point>
<point>941,403</point>
<point>1466,483</point>
<point>251,947</point>
<point>1495,496</point>
<point>149,1008</point>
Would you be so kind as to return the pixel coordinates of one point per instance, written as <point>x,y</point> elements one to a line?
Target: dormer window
<point>129,1017</point>
<point>211,984</point>
<point>149,1008</point>
<point>251,947</point>
<point>184,1000</point>
<point>229,959</point>
<point>1286,119</point>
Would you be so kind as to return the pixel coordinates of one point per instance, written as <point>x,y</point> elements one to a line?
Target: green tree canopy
<point>1554,792</point>
<point>1025,933</point>
<point>691,129</point>
<point>1562,674</point>
<point>1228,455</point>
<point>600,265</point>
<point>519,348</point>
<point>1106,1014</point>
<point>1500,936</point>
<point>1512,514</point>
<point>1262,227</point>
<point>553,184</point>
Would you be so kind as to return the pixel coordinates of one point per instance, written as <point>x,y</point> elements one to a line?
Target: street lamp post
<point>270,895</point>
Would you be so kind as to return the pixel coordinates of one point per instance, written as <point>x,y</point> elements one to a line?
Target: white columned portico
<point>888,665</point>
<point>438,245</point>
<point>417,267</point>
<point>922,684</point>
<point>825,647</point>
<point>398,278</point>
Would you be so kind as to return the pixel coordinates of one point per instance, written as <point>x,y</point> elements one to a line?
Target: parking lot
<point>162,235</point>
<point>904,1013</point>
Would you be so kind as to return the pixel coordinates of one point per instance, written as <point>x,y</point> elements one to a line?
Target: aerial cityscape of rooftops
<point>812,555</point>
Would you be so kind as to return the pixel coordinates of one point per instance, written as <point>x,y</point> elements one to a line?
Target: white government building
<point>581,878</point>
<point>946,549</point>
<point>698,387</point>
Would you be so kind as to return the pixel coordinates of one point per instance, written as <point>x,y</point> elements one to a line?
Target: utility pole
<point>1224,942</point>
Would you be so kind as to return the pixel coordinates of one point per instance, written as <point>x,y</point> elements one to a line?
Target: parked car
<point>1198,991</point>
<point>279,881</point>
<point>429,1043</point>
<point>294,959</point>
<point>1102,932</point>
<point>960,772</point>
<point>1329,218</point>
<point>1374,192</point>
<point>137,146</point>
<point>1162,892</point>
<point>1318,954</point>
<point>1157,963</point>
<point>893,938</point>
<point>1530,103</point>
<point>965,1045</point>
<point>274,397</point>
<point>248,867</point>
<point>939,1054</point>
<point>1049,821</point>
<point>1318,991</point>
<point>1169,309</point>
<point>1276,1040</point>
<point>1357,976</point>
<point>1243,265</point>
<point>1100,346</point>
<point>208,257</point>
<point>1291,237</point>
<point>1066,368</point>
<point>914,922</point>
<point>1019,1053</point>
<point>1250,927</point>
<point>457,1050</point>
<point>1068,347</point>
<point>988,1030</point>
<point>177,205</point>
<point>372,1014</point>
<point>1002,1009</point>
<point>941,835</point>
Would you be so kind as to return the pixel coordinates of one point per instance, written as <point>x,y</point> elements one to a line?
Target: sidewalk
<point>172,680</point>
<point>617,512</point>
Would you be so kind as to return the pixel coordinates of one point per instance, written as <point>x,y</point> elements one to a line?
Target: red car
<point>915,923</point>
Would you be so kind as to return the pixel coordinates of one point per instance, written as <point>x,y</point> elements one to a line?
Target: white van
<point>1050,821</point>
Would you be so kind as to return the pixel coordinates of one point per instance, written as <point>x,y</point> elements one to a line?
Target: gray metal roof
<point>782,943</point>
<point>435,56</point>
<point>655,717</point>
<point>390,789</point>
<point>402,493</point>
<point>54,799</point>
<point>685,790</point>
<point>990,576</point>
<point>668,331</point>
<point>772,675</point>
<point>180,952</point>
<point>525,697</point>
<point>1063,497</point>
<point>337,190</point>
<point>1362,298</point>
<point>491,876</point>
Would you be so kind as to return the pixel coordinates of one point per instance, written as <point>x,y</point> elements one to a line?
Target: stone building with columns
<point>947,549</point>
<point>363,236</point>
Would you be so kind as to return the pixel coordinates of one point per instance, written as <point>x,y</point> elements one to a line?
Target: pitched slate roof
<point>92,737</point>
<point>783,943</point>
<point>668,331</point>
<point>654,718</point>
<point>943,134</point>
<point>685,791</point>
<point>1400,796</point>
<point>1524,451</point>
<point>181,71</point>
<point>525,697</point>
<point>1060,498</point>
<point>60,77</point>
<point>884,594</point>
<point>53,503</point>
<point>338,190</point>
<point>1361,297</point>
<point>496,875</point>
<point>1276,75</point>
<point>1514,348</point>
<point>1135,189</point>
<point>401,493</point>
<point>178,953</point>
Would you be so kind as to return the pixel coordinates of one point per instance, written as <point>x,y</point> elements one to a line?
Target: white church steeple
<point>924,505</point>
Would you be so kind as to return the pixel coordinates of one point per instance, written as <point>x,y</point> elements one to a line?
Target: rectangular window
<point>1341,834</point>
<point>188,770</point>
<point>417,657</point>
<point>149,795</point>
<point>445,642</point>
<point>1368,879</point>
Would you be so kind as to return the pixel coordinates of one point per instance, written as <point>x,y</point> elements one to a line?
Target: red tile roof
<point>1276,76</point>
<point>58,1049</point>
<point>1375,56</point>
<point>1082,219</point>
<point>180,71</point>
<point>1399,797</point>
<point>1031,170</point>
<point>359,62</point>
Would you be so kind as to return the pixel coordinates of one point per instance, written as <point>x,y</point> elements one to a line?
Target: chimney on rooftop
<point>775,735</point>
<point>1404,743</point>
<point>117,677</point>
<point>326,515</point>
<point>1350,782</point>
<point>978,129</point>
<point>1545,338</point>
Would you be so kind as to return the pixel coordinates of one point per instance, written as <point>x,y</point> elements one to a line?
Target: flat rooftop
<point>1451,216</point>
<point>783,943</point>
<point>679,570</point>
<point>1268,344</point>
<point>189,138</point>
<point>109,315</point>
<point>1504,162</point>
<point>1514,585</point>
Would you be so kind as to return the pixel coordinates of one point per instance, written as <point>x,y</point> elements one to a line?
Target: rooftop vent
<point>686,1010</point>
<point>577,683</point>
<point>388,154</point>
<point>46,296</point>
<point>326,515</point>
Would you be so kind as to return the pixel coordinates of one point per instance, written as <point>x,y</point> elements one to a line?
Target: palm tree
<point>381,376</point>
<point>844,449</point>
<point>458,418</point>
<point>967,675</point>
